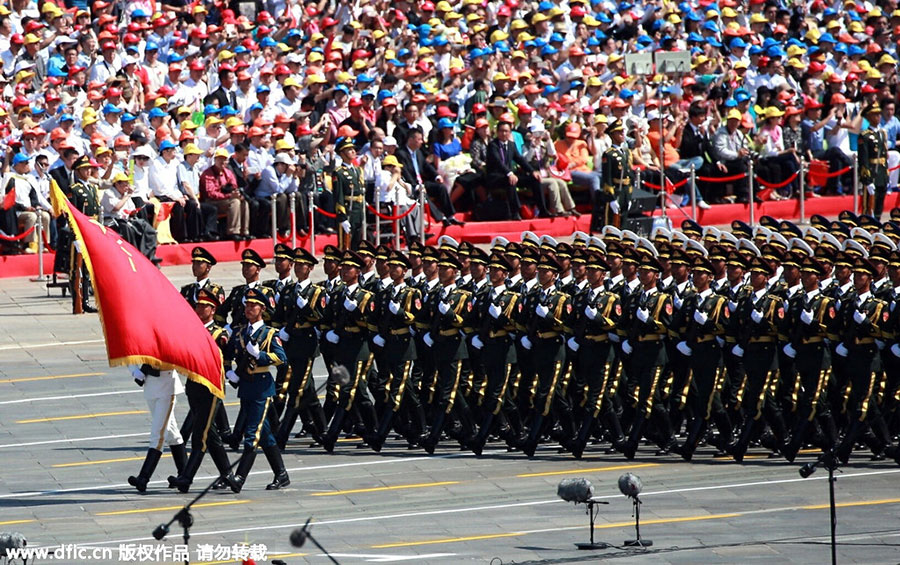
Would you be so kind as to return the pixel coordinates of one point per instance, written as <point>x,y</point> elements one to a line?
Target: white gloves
<point>614,337</point>
<point>756,316</point>
<point>283,335</point>
<point>137,375</point>
<point>345,225</point>
<point>643,314</point>
<point>394,307</point>
<point>378,340</point>
<point>789,351</point>
<point>870,189</point>
<point>252,349</point>
<point>879,344</point>
<point>700,317</point>
<point>444,307</point>
<point>737,351</point>
<point>232,377</point>
<point>542,310</point>
<point>78,246</point>
<point>526,343</point>
<point>806,316</point>
<point>477,343</point>
<point>332,337</point>
<point>428,339</point>
<point>732,306</point>
<point>841,350</point>
<point>349,305</point>
<point>859,317</point>
<point>677,301</point>
<point>302,302</point>
<point>228,330</point>
<point>614,206</point>
<point>573,344</point>
<point>720,341</point>
<point>683,348</point>
<point>494,311</point>
<point>590,312</point>
<point>626,347</point>
<point>895,349</point>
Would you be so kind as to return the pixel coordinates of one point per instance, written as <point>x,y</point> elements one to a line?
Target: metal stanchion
<point>752,195</point>
<point>293,220</point>
<point>365,221</point>
<point>274,220</point>
<point>802,192</point>
<point>855,183</point>
<point>693,189</point>
<point>638,183</point>
<point>376,218</point>
<point>312,222</point>
<point>422,212</point>
<point>38,227</point>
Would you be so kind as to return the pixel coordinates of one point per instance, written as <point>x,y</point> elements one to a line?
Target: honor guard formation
<point>776,336</point>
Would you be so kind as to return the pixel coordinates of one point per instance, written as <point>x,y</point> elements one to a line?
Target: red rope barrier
<point>834,174</point>
<point>19,237</point>
<point>324,213</point>
<point>670,186</point>
<point>392,218</point>
<point>723,179</point>
<point>766,184</point>
<point>893,168</point>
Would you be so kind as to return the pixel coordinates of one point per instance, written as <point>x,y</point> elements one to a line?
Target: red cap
<point>328,22</point>
<point>199,33</point>
<point>389,102</point>
<point>816,67</point>
<point>186,135</point>
<point>504,11</point>
<point>283,119</point>
<point>197,66</point>
<point>481,123</point>
<point>347,131</point>
<point>445,112</point>
<point>108,45</point>
<point>354,103</point>
<point>838,98</point>
<point>113,91</point>
<point>58,133</point>
<point>507,118</point>
<point>525,108</point>
<point>256,132</point>
<point>811,104</point>
<point>478,108</point>
<point>17,38</point>
<point>161,22</point>
<point>32,26</point>
<point>131,39</point>
<point>282,70</point>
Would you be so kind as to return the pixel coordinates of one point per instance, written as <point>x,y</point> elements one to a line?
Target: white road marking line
<point>376,558</point>
<point>47,344</point>
<point>69,396</point>
<point>69,440</point>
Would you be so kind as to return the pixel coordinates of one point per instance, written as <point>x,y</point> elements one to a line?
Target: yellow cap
<point>291,81</point>
<point>31,38</point>
<point>728,12</point>
<point>121,177</point>
<point>214,121</point>
<point>192,149</point>
<point>221,152</point>
<point>188,124</point>
<point>734,114</point>
<point>315,79</point>
<point>233,121</point>
<point>224,54</point>
<point>283,144</point>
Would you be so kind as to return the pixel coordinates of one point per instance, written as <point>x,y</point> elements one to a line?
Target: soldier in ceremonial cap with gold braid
<point>349,196</point>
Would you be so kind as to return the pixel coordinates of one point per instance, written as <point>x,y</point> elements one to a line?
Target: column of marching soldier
<point>776,335</point>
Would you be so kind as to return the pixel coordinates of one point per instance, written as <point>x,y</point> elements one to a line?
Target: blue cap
<point>540,41</point>
<point>557,38</point>
<point>695,37</point>
<point>166,144</point>
<point>769,42</point>
<point>774,52</point>
<point>342,88</point>
<point>20,158</point>
<point>157,113</point>
<point>741,97</point>
<point>731,103</point>
<point>174,58</point>
<point>827,38</point>
<point>425,42</point>
<point>262,88</point>
<point>403,53</point>
<point>384,93</point>
<point>66,118</point>
<point>502,47</point>
<point>211,109</point>
<point>139,13</point>
<point>737,43</point>
<point>267,42</point>
<point>713,41</point>
<point>693,17</point>
<point>229,110</point>
<point>855,50</point>
<point>255,106</point>
<point>364,79</point>
<point>37,111</point>
<point>711,26</point>
<point>111,109</point>
<point>549,50</point>
<point>445,123</point>
<point>756,50</point>
<point>128,117</point>
<point>645,40</point>
<point>151,46</point>
<point>550,89</point>
<point>626,94</point>
<point>575,84</point>
<point>294,32</point>
<point>604,19</point>
<point>440,41</point>
<point>239,49</point>
<point>829,12</point>
<point>593,41</point>
<point>424,29</point>
<point>397,63</point>
<point>367,92</point>
<point>545,5</point>
<point>56,72</point>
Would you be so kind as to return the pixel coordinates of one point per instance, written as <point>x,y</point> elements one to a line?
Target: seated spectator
<point>730,155</point>
<point>218,186</point>
<point>397,192</point>
<point>31,209</point>
<point>541,154</point>
<point>278,181</point>
<point>575,151</point>
<point>119,214</point>
<point>776,162</point>
<point>507,171</point>
<point>417,171</point>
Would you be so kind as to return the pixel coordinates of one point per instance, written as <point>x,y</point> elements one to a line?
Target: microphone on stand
<point>299,536</point>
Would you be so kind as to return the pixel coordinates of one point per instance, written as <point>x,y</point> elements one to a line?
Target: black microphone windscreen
<point>575,490</point>
<point>298,537</point>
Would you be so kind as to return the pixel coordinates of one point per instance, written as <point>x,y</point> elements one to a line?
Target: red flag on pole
<point>10,199</point>
<point>144,317</point>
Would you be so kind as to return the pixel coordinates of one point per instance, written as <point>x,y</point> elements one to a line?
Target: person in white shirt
<point>32,209</point>
<point>119,213</point>
<point>393,190</point>
<point>164,184</point>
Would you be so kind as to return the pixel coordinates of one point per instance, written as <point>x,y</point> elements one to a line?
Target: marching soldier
<point>251,265</point>
<point>281,288</point>
<point>304,304</point>
<point>204,404</point>
<point>254,348</point>
<point>423,374</point>
<point>334,286</point>
<point>612,203</point>
<point>349,196</point>
<point>873,173</point>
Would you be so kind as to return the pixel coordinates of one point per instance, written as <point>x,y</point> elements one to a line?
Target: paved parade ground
<point>72,429</point>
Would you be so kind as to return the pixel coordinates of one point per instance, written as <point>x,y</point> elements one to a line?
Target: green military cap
<point>789,229</point>
<point>258,296</point>
<point>864,265</point>
<point>894,259</point>
<point>346,143</point>
<point>615,126</point>
<point>564,250</point>
<point>83,161</point>
<point>351,258</point>
<point>895,213</point>
<point>792,259</point>
<point>595,261</point>
<point>719,253</point>
<point>430,253</point>
<point>580,256</point>
<point>772,252</point>
<point>758,265</point>
<point>211,294</point>
<point>664,248</point>
<point>332,253</point>
<point>843,259</point>
<point>397,258</point>
<point>548,261</point>
<point>302,255</point>
<point>869,223</point>
<point>283,251</point>
<point>649,262</point>
<point>769,222</point>
<point>629,255</point>
<point>880,254</point>
<point>415,248</point>
<point>498,261</point>
<point>702,264</point>
<point>382,252</point>
<point>812,265</point>
<point>681,257</point>
<point>873,109</point>
<point>691,228</point>
<point>839,229</point>
<point>741,229</point>
<point>366,248</point>
<point>825,254</point>
<point>203,255</point>
<point>849,218</point>
<point>530,255</point>
<point>478,255</point>
<point>733,259</point>
<point>615,249</point>
<point>252,257</point>
<point>892,230</point>
<point>465,249</point>
<point>449,259</point>
<point>819,221</point>
<point>512,249</point>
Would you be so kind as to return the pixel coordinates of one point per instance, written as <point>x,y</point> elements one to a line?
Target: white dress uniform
<point>160,393</point>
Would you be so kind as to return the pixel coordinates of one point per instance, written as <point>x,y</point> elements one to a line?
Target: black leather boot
<point>184,479</point>
<point>236,481</point>
<point>798,437</point>
<point>437,427</point>
<point>273,455</point>
<point>187,426</point>
<point>629,448</point>
<point>284,431</point>
<point>334,430</point>
<point>534,435</point>
<point>695,431</point>
<point>739,448</point>
<point>150,462</point>
<point>584,432</point>
<point>179,455</point>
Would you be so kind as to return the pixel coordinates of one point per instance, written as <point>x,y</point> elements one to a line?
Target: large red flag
<point>10,199</point>
<point>144,317</point>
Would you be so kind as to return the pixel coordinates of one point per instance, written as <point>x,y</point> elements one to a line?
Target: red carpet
<point>482,232</point>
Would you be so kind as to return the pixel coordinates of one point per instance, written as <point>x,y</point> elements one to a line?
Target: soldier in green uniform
<point>303,306</point>
<point>611,203</point>
<point>651,315</point>
<point>707,314</point>
<point>596,314</point>
<point>83,195</point>
<point>423,374</point>
<point>759,320</point>
<point>281,288</point>
<point>546,337</point>
<point>349,196</point>
<point>352,317</point>
<point>204,403</point>
<point>334,286</point>
<point>493,340</point>
<point>396,310</point>
<point>682,292</point>
<point>873,173</point>
<point>479,285</point>
<point>445,343</point>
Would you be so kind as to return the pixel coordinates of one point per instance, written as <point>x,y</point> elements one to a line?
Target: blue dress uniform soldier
<point>812,318</point>
<point>204,404</point>
<point>161,387</point>
<point>445,343</point>
<point>352,315</point>
<point>873,170</point>
<point>861,332</point>
<point>545,339</point>
<point>255,348</point>
<point>396,311</point>
<point>494,341</point>
<point>349,196</point>
<point>707,314</point>
<point>304,304</point>
<point>651,314</point>
<point>759,319</point>
<point>281,288</point>
<point>597,313</point>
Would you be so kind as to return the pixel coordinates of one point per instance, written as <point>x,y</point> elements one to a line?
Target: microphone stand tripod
<point>593,513</point>
<point>637,542</point>
<point>303,534</point>
<point>830,461</point>
<point>184,517</point>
